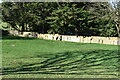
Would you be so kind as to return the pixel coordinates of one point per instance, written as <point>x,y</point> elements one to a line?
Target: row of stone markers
<point>82,39</point>
<point>92,39</point>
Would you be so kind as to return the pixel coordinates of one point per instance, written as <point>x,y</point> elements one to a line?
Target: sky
<point>0,1</point>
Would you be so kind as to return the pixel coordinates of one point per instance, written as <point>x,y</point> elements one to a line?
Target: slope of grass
<point>25,57</point>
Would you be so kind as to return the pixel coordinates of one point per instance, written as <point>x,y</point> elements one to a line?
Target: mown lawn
<point>36,58</point>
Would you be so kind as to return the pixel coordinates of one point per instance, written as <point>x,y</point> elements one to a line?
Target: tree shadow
<point>77,62</point>
<point>10,37</point>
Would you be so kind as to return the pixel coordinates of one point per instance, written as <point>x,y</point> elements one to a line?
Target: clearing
<point>37,58</point>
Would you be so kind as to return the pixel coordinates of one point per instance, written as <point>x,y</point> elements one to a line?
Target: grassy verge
<point>36,58</point>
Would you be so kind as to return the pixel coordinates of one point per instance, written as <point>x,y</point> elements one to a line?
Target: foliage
<point>84,18</point>
<point>104,23</point>
<point>115,9</point>
<point>70,18</point>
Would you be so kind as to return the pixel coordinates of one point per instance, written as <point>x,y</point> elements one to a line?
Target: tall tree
<point>115,10</point>
<point>26,16</point>
<point>103,21</point>
<point>15,15</point>
<point>70,18</point>
<point>83,18</point>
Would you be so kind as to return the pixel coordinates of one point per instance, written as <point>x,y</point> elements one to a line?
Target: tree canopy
<point>81,18</point>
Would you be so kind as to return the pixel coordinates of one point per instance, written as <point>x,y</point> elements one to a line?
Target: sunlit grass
<point>25,57</point>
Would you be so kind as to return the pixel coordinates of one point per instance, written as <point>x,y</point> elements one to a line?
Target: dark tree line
<point>83,18</point>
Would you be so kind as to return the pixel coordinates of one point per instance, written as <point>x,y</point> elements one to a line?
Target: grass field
<point>36,58</point>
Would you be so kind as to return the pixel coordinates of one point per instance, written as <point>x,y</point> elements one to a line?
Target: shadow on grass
<point>99,62</point>
<point>10,37</point>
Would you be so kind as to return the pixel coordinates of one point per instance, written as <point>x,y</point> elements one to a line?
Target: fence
<point>91,39</point>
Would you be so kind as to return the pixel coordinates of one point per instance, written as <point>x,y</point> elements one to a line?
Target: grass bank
<point>36,58</point>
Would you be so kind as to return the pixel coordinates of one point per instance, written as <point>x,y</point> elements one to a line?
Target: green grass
<point>36,58</point>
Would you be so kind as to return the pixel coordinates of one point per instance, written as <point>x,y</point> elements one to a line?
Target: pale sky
<point>0,1</point>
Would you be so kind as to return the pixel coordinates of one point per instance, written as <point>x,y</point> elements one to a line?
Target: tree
<point>70,18</point>
<point>115,10</point>
<point>103,21</point>
<point>14,14</point>
<point>39,13</point>
<point>84,18</point>
<point>26,16</point>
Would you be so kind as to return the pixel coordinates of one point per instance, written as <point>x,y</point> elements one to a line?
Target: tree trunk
<point>118,29</point>
<point>77,32</point>
<point>43,30</point>
<point>23,28</point>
